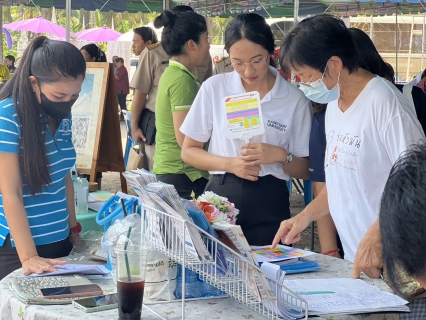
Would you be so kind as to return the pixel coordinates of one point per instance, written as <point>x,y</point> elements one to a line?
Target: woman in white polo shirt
<point>251,175</point>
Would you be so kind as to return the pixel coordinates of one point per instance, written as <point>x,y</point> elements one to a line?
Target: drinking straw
<point>124,207</point>
<point>125,254</point>
<point>135,205</point>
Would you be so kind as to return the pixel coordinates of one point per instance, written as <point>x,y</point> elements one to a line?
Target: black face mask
<point>56,110</point>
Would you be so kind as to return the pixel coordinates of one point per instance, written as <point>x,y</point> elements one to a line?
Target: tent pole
<point>166,5</point>
<point>1,33</point>
<point>423,40</point>
<point>407,75</point>
<point>295,12</point>
<point>68,15</point>
<point>396,41</point>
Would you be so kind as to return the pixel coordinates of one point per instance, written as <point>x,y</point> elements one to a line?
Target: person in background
<point>143,37</point>
<point>37,210</point>
<point>222,66</point>
<point>114,58</point>
<point>185,40</point>
<point>10,63</point>
<point>152,63</point>
<point>92,53</point>
<point>121,84</point>
<point>251,175</point>
<point>4,73</point>
<point>369,124</point>
<point>422,82</point>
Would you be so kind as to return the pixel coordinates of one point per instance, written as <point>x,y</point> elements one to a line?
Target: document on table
<point>69,268</point>
<point>344,296</point>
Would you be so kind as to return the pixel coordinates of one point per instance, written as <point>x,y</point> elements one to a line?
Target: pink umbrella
<point>103,34</point>
<point>37,25</point>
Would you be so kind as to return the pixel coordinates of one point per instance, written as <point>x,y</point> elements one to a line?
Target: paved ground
<point>111,182</point>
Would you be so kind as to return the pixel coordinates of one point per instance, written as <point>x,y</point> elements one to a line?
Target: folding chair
<point>130,143</point>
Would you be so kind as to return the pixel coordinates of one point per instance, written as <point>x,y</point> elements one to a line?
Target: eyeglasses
<point>308,85</point>
<point>255,64</point>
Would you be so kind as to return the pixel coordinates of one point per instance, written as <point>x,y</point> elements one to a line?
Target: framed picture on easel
<point>87,114</point>
<point>96,126</point>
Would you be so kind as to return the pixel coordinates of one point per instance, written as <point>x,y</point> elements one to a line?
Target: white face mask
<point>318,92</point>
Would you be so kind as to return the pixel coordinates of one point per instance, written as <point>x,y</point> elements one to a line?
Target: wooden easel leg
<point>123,183</point>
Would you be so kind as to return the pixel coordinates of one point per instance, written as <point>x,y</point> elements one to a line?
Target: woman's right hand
<point>36,264</point>
<point>242,168</point>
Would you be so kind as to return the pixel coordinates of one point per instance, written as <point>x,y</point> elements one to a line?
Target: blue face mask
<point>318,92</point>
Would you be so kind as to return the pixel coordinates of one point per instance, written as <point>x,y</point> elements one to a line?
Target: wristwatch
<point>289,158</point>
<point>76,229</point>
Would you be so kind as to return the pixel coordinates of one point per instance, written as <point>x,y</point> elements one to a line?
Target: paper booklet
<point>257,283</point>
<point>69,268</point>
<point>280,253</point>
<point>344,296</point>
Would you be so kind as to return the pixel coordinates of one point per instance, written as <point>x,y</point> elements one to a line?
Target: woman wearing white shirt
<point>251,175</point>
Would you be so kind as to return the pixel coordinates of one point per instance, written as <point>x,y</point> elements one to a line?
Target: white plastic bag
<point>160,280</point>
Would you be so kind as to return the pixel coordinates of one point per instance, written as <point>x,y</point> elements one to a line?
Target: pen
<point>306,293</point>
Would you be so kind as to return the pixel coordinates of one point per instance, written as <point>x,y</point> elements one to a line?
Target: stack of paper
<point>257,284</point>
<point>344,296</point>
<point>166,196</point>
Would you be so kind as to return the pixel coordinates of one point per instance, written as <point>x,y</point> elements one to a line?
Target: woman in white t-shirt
<point>368,124</point>
<point>251,175</point>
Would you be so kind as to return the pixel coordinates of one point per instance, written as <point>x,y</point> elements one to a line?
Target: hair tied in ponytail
<point>166,20</point>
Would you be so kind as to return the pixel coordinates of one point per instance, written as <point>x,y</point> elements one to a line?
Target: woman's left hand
<point>262,153</point>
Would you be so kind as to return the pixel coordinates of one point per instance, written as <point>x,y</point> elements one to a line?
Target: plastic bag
<point>160,279</point>
<point>87,248</point>
<point>118,233</point>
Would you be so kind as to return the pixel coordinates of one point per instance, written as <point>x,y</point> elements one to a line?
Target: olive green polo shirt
<point>177,90</point>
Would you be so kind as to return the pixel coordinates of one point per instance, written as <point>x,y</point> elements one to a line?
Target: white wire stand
<point>225,269</point>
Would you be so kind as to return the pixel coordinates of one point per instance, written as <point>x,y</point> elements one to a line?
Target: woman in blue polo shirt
<point>37,211</point>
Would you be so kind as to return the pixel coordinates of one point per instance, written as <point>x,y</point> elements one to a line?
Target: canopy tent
<point>225,8</point>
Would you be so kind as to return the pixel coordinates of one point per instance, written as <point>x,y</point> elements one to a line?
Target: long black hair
<point>179,29</point>
<point>94,51</point>
<point>368,56</point>
<point>313,41</point>
<point>49,61</point>
<point>252,27</point>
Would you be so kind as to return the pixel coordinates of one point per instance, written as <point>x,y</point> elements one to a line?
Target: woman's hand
<point>244,169</point>
<point>36,264</point>
<point>262,153</point>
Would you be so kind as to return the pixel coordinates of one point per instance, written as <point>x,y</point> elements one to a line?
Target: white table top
<point>225,308</point>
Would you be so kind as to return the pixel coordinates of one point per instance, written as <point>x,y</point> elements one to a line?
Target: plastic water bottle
<point>74,183</point>
<point>191,285</point>
<point>82,193</point>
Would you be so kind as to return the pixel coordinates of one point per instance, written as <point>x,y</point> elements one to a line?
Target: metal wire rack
<point>219,265</point>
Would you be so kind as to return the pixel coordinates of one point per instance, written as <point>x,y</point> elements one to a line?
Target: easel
<point>108,150</point>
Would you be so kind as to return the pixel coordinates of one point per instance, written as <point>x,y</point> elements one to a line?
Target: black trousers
<point>183,185</point>
<point>263,204</point>
<point>122,100</point>
<point>9,259</point>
